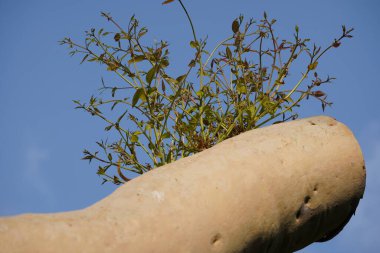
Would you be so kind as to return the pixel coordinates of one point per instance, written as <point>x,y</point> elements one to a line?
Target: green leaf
<point>139,94</point>
<point>160,117</point>
<point>150,75</point>
<point>165,135</point>
<point>252,109</point>
<point>170,80</point>
<point>152,90</point>
<point>194,44</point>
<point>107,128</point>
<point>289,100</point>
<point>134,138</point>
<point>218,83</point>
<point>109,157</point>
<point>147,127</point>
<point>228,53</point>
<point>164,63</point>
<point>200,93</point>
<point>297,28</point>
<point>88,157</point>
<point>181,78</point>
<point>235,26</point>
<point>241,88</point>
<point>121,117</point>
<point>77,102</point>
<point>93,59</point>
<point>163,86</point>
<point>114,104</point>
<point>101,171</point>
<point>125,36</point>
<point>84,58</point>
<point>137,58</point>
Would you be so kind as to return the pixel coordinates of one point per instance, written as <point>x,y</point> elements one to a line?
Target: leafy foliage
<point>242,84</point>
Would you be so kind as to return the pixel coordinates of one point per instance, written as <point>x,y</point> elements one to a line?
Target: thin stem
<point>275,47</point>
<point>188,17</point>
<point>282,112</point>
<point>296,86</point>
<point>214,50</point>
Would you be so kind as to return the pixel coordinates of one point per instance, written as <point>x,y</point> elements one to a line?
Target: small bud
<point>318,93</point>
<point>312,66</point>
<point>317,82</point>
<point>336,44</point>
<point>235,26</point>
<point>117,37</point>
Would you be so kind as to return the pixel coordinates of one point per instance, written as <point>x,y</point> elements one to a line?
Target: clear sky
<point>42,136</point>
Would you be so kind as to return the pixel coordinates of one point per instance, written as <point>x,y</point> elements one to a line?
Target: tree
<point>241,84</point>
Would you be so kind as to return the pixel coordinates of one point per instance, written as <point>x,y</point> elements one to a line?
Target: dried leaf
<point>112,66</point>
<point>192,63</point>
<point>137,58</point>
<point>235,26</point>
<point>163,86</point>
<point>318,93</point>
<point>336,43</point>
<point>312,66</point>
<point>167,2</point>
<point>142,32</point>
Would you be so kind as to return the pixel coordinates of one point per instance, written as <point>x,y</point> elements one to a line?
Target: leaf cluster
<point>241,84</point>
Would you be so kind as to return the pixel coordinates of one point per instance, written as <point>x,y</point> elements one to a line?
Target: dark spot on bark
<point>216,238</point>
<point>298,214</point>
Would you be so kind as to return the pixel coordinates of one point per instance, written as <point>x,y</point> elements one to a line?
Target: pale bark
<point>275,189</point>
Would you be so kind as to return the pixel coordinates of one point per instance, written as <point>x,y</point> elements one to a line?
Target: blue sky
<point>42,136</point>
